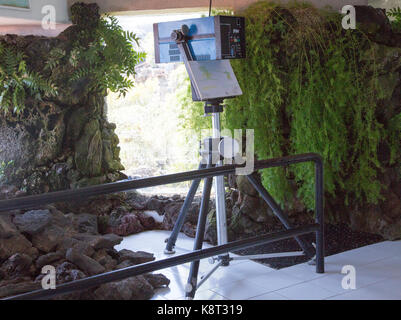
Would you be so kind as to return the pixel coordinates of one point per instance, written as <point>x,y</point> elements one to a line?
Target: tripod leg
<point>200,233</point>
<point>221,214</point>
<point>181,217</point>
<point>319,200</point>
<point>279,213</point>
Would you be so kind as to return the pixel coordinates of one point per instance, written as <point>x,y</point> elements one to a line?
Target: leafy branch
<point>106,56</point>
<point>395,13</point>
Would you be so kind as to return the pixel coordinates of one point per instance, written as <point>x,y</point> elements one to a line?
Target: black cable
<point>210,8</point>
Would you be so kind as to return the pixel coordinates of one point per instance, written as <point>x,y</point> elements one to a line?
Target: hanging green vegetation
<point>261,79</point>
<point>17,81</point>
<point>311,86</point>
<point>332,109</point>
<point>308,90</point>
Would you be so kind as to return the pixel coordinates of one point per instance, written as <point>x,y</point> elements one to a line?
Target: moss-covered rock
<point>89,150</point>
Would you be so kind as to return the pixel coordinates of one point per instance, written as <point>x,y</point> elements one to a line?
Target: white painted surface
<point>12,16</point>
<point>29,21</point>
<point>378,274</point>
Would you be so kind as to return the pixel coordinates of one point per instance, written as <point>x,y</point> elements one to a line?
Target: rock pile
<point>129,213</point>
<point>72,244</point>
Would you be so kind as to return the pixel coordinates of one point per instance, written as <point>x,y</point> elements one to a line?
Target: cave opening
<point>153,140</point>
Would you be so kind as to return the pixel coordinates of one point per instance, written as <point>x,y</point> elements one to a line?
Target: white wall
<point>29,21</point>
<point>10,16</point>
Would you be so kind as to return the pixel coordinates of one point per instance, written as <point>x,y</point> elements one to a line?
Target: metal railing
<point>34,201</point>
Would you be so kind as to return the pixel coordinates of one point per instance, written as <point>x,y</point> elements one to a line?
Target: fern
<point>106,56</point>
<point>395,13</point>
<point>54,58</point>
<point>17,81</point>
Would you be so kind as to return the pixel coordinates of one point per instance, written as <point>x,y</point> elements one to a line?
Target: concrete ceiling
<point>25,22</point>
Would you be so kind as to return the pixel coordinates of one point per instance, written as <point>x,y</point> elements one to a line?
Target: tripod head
<point>209,38</point>
<point>180,35</point>
<point>204,45</point>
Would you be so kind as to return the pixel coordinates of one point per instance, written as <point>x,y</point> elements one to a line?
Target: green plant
<point>308,89</point>
<point>3,166</point>
<point>310,86</point>
<point>261,79</point>
<point>395,13</point>
<point>332,100</point>
<point>191,113</point>
<point>17,81</point>
<point>104,54</point>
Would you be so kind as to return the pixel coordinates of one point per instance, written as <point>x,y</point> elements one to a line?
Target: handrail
<point>33,201</point>
<point>29,202</point>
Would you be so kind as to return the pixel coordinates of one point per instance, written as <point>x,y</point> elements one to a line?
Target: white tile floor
<point>378,274</point>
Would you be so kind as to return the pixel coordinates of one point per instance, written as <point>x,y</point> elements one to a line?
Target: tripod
<point>211,157</point>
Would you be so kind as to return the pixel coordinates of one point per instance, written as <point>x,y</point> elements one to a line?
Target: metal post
<point>319,210</point>
<point>278,212</point>
<point>200,234</point>
<point>181,216</point>
<point>221,217</point>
